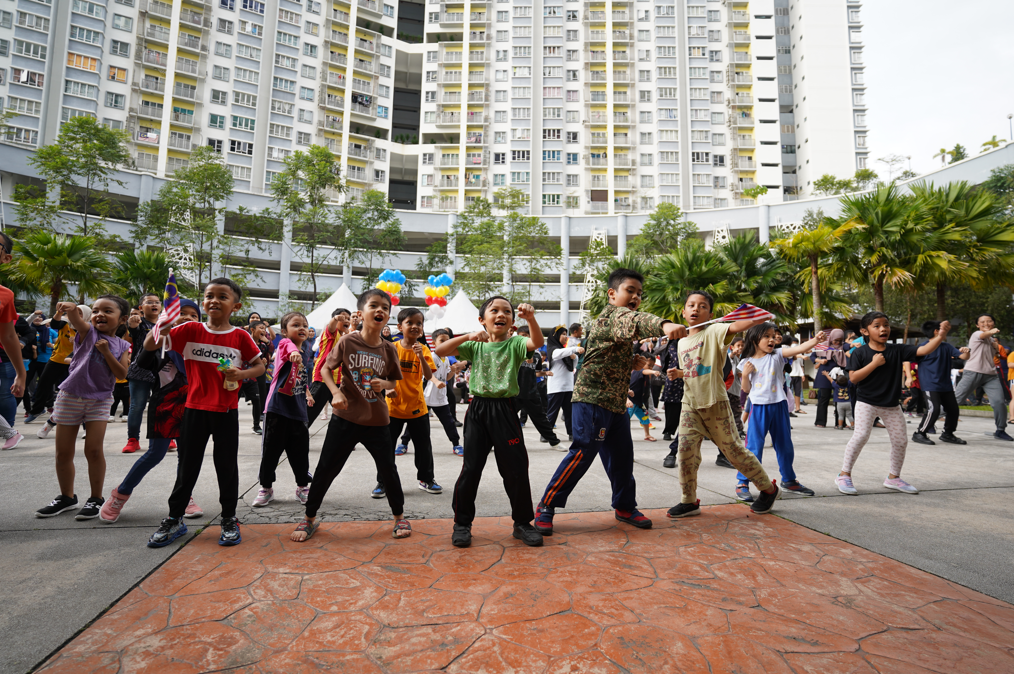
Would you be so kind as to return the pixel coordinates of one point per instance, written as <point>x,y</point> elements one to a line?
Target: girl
<point>165,417</point>
<point>763,368</point>
<point>437,396</point>
<point>876,372</point>
<point>285,413</point>
<point>672,398</point>
<point>636,400</point>
<point>256,390</point>
<point>826,359</point>
<point>560,387</point>
<point>842,402</point>
<point>121,391</point>
<point>98,360</point>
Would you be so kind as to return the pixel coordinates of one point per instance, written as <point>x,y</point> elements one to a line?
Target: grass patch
<point>981,408</point>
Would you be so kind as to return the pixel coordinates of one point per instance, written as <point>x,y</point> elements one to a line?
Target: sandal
<point>402,529</point>
<point>650,439</point>
<point>307,527</point>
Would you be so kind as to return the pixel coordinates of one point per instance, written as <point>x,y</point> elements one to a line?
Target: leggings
<point>157,448</point>
<point>844,413</point>
<point>672,418</point>
<point>560,402</point>
<point>282,434</point>
<point>893,419</point>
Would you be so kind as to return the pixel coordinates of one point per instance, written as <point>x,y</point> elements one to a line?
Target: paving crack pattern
<point>725,592</point>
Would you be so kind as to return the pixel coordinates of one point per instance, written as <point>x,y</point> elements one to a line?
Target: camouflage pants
<point>717,424</point>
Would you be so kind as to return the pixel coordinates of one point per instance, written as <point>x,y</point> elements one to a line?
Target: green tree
<point>828,185</point>
<point>864,179</point>
<point>665,231</point>
<point>368,230</point>
<point>761,278</point>
<point>51,262</point>
<point>139,272</point>
<point>755,192</point>
<point>813,242</point>
<point>943,154</point>
<point>957,153</point>
<point>892,161</point>
<point>991,144</point>
<point>597,256</point>
<point>907,174</point>
<point>597,302</point>
<point>300,193</point>
<point>1001,183</point>
<point>691,267</point>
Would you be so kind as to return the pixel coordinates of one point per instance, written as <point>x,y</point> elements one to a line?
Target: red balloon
<point>429,300</point>
<point>395,299</point>
<point>441,301</point>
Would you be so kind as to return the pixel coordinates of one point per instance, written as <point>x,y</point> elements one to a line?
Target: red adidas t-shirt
<point>201,348</point>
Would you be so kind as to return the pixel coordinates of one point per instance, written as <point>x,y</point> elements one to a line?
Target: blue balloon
<point>450,281</point>
<point>445,280</point>
<point>401,278</point>
<point>432,280</point>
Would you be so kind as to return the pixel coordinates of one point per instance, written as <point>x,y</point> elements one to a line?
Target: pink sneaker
<point>193,510</point>
<point>110,510</point>
<point>13,441</point>
<point>302,494</point>
<point>898,484</point>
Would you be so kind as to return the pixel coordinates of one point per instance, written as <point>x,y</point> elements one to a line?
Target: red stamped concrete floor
<point>724,592</point>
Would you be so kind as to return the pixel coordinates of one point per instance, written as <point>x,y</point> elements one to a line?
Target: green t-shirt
<point>494,366</point>
<point>702,359</point>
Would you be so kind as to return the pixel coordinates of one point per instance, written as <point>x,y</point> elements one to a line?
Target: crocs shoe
<point>898,484</point>
<point>845,486</point>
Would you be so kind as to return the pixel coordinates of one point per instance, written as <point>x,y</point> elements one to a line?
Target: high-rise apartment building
<point>589,107</point>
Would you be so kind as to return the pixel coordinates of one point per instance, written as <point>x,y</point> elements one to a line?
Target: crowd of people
<point>731,382</point>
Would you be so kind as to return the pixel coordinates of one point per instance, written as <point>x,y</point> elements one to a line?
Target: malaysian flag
<point>747,312</point>
<point>170,307</point>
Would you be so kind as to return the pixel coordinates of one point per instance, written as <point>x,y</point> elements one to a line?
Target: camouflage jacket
<point>605,375</point>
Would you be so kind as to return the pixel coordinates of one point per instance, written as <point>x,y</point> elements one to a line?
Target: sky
<point>938,72</point>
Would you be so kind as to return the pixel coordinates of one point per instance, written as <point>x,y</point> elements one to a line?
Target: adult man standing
<point>980,371</point>
<point>935,378</point>
<point>141,381</point>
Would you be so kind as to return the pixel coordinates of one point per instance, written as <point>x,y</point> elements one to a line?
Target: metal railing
<point>182,118</point>
<point>157,33</point>
<point>186,66</point>
<point>181,142</point>
<point>338,15</point>
<point>157,86</point>
<point>189,42</point>
<point>185,91</point>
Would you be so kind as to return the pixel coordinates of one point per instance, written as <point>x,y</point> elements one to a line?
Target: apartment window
<point>82,62</point>
<point>286,61</point>
<point>80,89</point>
<point>788,149</point>
<point>501,75</point>
<point>76,32</point>
<point>551,199</point>
<point>227,4</point>
<point>572,15</point>
<point>860,141</point>
<point>857,77</point>
<point>668,157</point>
<point>240,172</point>
<point>646,138</point>
<point>718,160</point>
<point>521,176</point>
<point>246,51</point>
<point>782,30</point>
<point>552,51</point>
<point>88,8</point>
<point>859,98</point>
<point>219,97</point>
<point>69,113</point>
<point>303,138</point>
<point>521,155</point>
<point>281,37</point>
<point>666,51</point>
<point>668,135</point>
<point>718,118</point>
<point>551,134</point>
<point>23,106</point>
<point>700,135</point>
<point>552,71</point>
<point>644,117</point>
<point>644,96</point>
<point>572,36</point>
<point>223,49</point>
<point>552,155</point>
<point>718,139</point>
<point>117,74</point>
<point>503,55</point>
<point>700,157</point>
<point>522,71</point>
<point>253,6</point>
<point>247,75</point>
<point>700,114</point>
<point>697,92</point>
<point>552,177</point>
<point>522,11</point>
<point>500,116</point>
<point>382,111</point>
<point>857,56</point>
<point>644,76</point>
<point>573,181</point>
<point>860,119</point>
<point>121,22</point>
<point>647,182</point>
<point>714,57</point>
<point>282,107</point>
<point>714,16</point>
<point>283,84</point>
<point>7,19</point>
<point>668,178</point>
<point>243,123</point>
<point>220,73</point>
<point>250,28</point>
<point>671,71</point>
<point>217,121</point>
<point>572,159</point>
<point>245,99</point>
<point>672,92</point>
<point>500,137</point>
<point>573,136</point>
<point>225,26</point>
<point>313,7</point>
<point>119,48</point>
<point>279,130</point>
<point>431,97</point>
<point>719,183</point>
<point>647,159</point>
<point>521,113</point>
<point>241,147</point>
<point>714,36</point>
<point>716,97</point>
<point>552,113</point>
<point>308,71</point>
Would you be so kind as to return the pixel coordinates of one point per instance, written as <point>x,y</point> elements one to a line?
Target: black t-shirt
<point>883,387</point>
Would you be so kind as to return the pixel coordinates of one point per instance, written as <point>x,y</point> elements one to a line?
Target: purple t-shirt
<point>89,375</point>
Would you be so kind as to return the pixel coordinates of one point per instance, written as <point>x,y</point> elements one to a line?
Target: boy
<point>598,412</point>
<point>369,368</point>
<point>935,378</point>
<point>492,419</point>
<point>211,407</point>
<point>706,409</point>
<point>529,399</point>
<point>140,380</point>
<point>341,319</point>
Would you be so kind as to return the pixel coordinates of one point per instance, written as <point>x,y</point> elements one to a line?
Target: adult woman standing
<point>560,386</point>
<point>826,360</point>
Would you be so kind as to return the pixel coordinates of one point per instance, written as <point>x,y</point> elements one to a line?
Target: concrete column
<point>764,222</point>
<point>213,269</point>
<point>347,274</point>
<point>452,267</point>
<point>565,270</point>
<point>621,235</point>
<point>285,266</point>
<point>147,188</point>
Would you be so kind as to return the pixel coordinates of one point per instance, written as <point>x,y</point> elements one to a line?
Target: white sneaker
<point>898,484</point>
<point>44,431</point>
<point>264,497</point>
<point>123,418</point>
<point>112,419</point>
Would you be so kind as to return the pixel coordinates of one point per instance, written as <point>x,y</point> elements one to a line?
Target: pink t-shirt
<point>287,395</point>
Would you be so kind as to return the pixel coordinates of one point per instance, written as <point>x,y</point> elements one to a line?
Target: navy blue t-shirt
<point>935,368</point>
<point>287,397</point>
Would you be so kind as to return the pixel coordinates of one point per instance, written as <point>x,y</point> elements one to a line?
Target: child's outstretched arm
<point>450,347</point>
<point>75,318</point>
<point>931,346</point>
<point>790,351</point>
<point>744,325</point>
<point>536,340</point>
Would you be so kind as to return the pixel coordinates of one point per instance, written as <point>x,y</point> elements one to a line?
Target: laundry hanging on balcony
<point>362,99</point>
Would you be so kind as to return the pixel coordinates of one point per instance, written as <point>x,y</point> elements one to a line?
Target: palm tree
<point>879,238</point>
<point>50,262</point>
<point>943,154</point>
<point>810,245</point>
<point>761,278</point>
<point>599,300</point>
<point>140,272</point>
<point>690,267</point>
<point>991,144</point>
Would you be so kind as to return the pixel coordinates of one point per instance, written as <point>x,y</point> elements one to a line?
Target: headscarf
<point>836,353</point>
<point>554,344</point>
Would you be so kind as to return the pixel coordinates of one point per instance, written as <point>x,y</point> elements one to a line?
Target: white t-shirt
<point>436,396</point>
<point>797,366</point>
<point>562,379</point>
<point>767,383</point>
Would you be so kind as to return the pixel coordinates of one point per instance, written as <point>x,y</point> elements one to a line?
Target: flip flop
<point>309,528</point>
<point>651,439</point>
<point>402,529</point>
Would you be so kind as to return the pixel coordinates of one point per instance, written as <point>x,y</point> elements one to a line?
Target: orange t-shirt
<point>410,401</point>
<point>327,342</point>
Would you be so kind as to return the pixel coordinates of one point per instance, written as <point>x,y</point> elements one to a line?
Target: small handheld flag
<point>744,312</point>
<point>170,307</point>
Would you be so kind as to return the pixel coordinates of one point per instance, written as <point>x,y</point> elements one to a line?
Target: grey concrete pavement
<point>57,574</point>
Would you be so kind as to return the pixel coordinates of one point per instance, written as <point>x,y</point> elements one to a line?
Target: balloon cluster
<point>390,282</point>
<point>436,294</point>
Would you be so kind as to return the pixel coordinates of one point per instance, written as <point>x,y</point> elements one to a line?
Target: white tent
<point>319,317</point>
<point>460,315</point>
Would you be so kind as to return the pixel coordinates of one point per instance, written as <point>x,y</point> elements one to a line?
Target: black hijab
<point>554,344</point>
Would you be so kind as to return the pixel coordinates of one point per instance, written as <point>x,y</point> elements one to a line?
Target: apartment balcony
<point>331,144</point>
<point>447,204</point>
<point>478,97</point>
<point>478,17</point>
<point>154,86</point>
<point>622,161</point>
<point>597,118</point>
<point>146,162</point>
<point>450,76</point>
<point>157,34</point>
<point>741,78</point>
<point>330,123</point>
<point>368,45</point>
<point>621,97</point>
<point>741,122</point>
<point>738,16</point>
<point>741,57</point>
<point>742,185</point>
<point>595,16</point>
<point>622,139</point>
<point>599,139</point>
<point>742,163</point>
<point>621,182</point>
<point>194,19</point>
<point>475,182</point>
<point>599,182</point>
<point>622,36</point>
<point>741,100</point>
<point>340,16</point>
<point>740,37</point>
<point>358,176</point>
<point>339,37</point>
<point>447,119</point>
<point>363,66</point>
<point>593,207</point>
<point>181,142</point>
<point>186,66</point>
<point>157,8</point>
<point>146,136</point>
<point>334,79</point>
<point>359,109</point>
<point>360,151</point>
<point>623,207</point>
<point>191,43</point>
<point>371,6</point>
<point>449,57</point>
<point>477,77</point>
<point>149,111</point>
<point>182,118</point>
<point>744,141</point>
<point>479,36</point>
<point>331,102</point>
<point>621,118</point>
<point>451,97</point>
<point>452,18</point>
<point>447,182</point>
<point>595,36</point>
<point>173,164</point>
<point>185,92</point>
<point>597,96</point>
<point>621,15</point>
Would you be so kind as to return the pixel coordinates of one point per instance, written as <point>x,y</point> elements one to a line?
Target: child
<point>842,399</point>
<point>341,320</point>
<point>530,391</point>
<point>437,398</point>
<point>212,355</point>
<point>598,415</point>
<point>369,367</point>
<point>256,388</point>
<point>492,419</point>
<point>140,381</point>
<point>763,378</point>
<point>98,360</point>
<point>165,416</point>
<point>285,428</point>
<point>706,409</point>
<point>876,372</point>
<point>56,370</point>
<point>636,401</point>
<point>407,406</point>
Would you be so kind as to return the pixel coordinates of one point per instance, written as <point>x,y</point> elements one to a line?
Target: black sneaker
<point>528,534</point>
<point>764,501</point>
<point>684,510</point>
<point>257,431</point>
<point>432,487</point>
<point>669,461</point>
<point>723,462</point>
<point>91,508</point>
<point>922,439</point>
<point>951,438</point>
<point>543,439</point>
<point>1002,435</point>
<point>59,505</point>
<point>667,437</point>
<point>230,532</point>
<point>462,536</point>
<point>170,529</point>
<point>458,424</point>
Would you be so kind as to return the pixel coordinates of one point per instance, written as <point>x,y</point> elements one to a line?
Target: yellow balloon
<point>429,290</point>
<point>386,287</point>
<point>443,290</point>
<point>380,285</point>
<point>396,287</point>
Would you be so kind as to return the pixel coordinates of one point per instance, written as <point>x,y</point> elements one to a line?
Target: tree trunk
<point>313,280</point>
<point>908,317</point>
<point>941,301</point>
<point>878,293</point>
<point>54,296</point>
<point>815,289</point>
